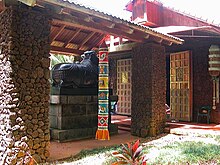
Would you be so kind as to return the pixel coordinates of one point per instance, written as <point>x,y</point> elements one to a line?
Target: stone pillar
<point>148,90</point>
<point>24,85</point>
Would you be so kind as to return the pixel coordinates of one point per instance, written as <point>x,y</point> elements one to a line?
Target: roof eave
<point>105,16</point>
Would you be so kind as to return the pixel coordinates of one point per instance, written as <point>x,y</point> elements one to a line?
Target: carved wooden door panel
<point>181,86</point>
<point>124,86</point>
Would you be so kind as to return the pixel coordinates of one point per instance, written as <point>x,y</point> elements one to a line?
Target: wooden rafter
<point>96,27</point>
<point>66,50</point>
<point>114,26</point>
<point>146,36</point>
<point>73,36</point>
<point>58,33</point>
<point>102,23</point>
<point>169,43</point>
<point>156,39</point>
<point>86,39</point>
<point>98,41</point>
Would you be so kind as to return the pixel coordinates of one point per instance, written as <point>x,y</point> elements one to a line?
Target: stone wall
<point>148,90</point>
<point>202,83</point>
<point>73,117</point>
<point>24,85</point>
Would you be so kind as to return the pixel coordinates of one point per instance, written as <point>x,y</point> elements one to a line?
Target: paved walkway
<point>64,150</point>
<point>184,128</point>
<point>67,149</point>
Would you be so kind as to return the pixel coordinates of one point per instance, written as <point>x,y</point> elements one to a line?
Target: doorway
<point>124,86</point>
<point>181,86</point>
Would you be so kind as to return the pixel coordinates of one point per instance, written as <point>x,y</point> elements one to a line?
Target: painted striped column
<point>102,132</point>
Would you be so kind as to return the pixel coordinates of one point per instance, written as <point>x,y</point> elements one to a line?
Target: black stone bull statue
<point>77,75</point>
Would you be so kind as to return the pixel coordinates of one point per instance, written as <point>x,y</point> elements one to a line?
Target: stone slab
<point>78,134</point>
<point>76,91</point>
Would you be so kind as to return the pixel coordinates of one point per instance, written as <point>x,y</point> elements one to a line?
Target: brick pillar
<point>24,85</point>
<point>148,90</point>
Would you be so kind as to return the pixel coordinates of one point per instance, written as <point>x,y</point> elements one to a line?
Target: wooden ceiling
<point>75,28</point>
<point>67,39</point>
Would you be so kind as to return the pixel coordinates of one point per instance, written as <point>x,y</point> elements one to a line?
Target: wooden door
<point>124,86</point>
<point>181,86</point>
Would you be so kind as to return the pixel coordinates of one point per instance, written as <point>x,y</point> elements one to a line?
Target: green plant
<point>217,138</point>
<point>59,58</point>
<point>130,154</point>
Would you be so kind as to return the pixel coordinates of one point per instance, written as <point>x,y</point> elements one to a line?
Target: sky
<point>207,10</point>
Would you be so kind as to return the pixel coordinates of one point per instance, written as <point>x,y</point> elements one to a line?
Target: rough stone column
<point>24,85</point>
<point>148,90</point>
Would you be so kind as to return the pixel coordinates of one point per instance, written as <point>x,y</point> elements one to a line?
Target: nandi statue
<point>77,75</point>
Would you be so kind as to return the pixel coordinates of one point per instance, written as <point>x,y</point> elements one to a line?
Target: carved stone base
<point>78,134</point>
<point>74,117</point>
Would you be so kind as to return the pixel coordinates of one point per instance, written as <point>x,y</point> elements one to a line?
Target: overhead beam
<point>124,47</point>
<point>57,6</point>
<point>156,39</point>
<point>102,22</point>
<point>146,36</point>
<point>96,27</point>
<point>86,39</point>
<point>73,36</point>
<point>58,33</point>
<point>197,36</point>
<point>65,50</point>
<point>165,42</point>
<point>98,41</point>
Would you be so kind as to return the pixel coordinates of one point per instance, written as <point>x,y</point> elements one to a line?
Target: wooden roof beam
<point>66,50</point>
<point>105,23</point>
<point>146,36</point>
<point>89,18</point>
<point>59,32</point>
<point>86,39</point>
<point>125,29</point>
<point>81,10</point>
<point>165,42</point>
<point>73,36</point>
<point>98,41</point>
<point>75,22</point>
<point>78,22</point>
<point>156,39</point>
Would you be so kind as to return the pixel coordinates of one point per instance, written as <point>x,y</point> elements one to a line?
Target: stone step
<point>167,129</point>
<point>124,127</point>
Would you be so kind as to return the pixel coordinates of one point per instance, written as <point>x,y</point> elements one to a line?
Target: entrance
<point>181,86</point>
<point>124,86</point>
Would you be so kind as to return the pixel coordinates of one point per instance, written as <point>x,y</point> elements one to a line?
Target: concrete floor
<point>67,149</point>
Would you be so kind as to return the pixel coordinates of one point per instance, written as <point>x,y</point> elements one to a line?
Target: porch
<point>181,128</point>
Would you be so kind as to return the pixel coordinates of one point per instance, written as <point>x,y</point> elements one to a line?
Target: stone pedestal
<point>24,85</point>
<point>148,90</point>
<point>74,117</point>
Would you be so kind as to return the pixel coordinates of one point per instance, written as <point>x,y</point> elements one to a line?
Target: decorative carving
<point>179,74</point>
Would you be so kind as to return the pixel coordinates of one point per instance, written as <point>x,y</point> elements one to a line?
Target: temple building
<point>189,84</point>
